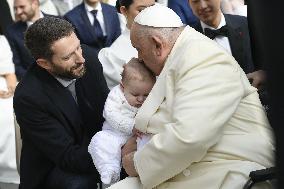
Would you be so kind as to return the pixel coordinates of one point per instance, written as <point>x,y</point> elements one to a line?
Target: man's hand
<point>258,78</point>
<point>128,164</point>
<point>129,147</point>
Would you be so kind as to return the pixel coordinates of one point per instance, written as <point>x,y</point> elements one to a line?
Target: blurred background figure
<point>63,6</point>
<point>236,7</point>
<point>97,24</point>
<point>5,15</point>
<point>264,38</point>
<point>48,7</point>
<point>9,178</point>
<point>26,13</point>
<point>183,9</point>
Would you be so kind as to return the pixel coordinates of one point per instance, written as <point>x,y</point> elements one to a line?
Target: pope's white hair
<point>166,34</point>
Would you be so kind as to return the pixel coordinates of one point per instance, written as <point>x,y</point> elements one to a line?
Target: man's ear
<point>123,11</point>
<point>43,63</point>
<point>158,43</point>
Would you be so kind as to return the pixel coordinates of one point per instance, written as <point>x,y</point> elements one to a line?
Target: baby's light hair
<point>135,70</point>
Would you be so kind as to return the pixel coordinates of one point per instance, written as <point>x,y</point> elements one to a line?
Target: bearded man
<point>58,106</point>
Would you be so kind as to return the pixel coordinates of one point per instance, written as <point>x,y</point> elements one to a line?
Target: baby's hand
<point>137,133</point>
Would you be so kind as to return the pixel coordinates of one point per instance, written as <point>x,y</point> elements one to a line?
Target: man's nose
<point>79,57</point>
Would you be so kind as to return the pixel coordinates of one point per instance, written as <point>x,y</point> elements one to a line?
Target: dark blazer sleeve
<point>50,138</point>
<point>15,37</point>
<point>50,124</point>
<point>247,44</point>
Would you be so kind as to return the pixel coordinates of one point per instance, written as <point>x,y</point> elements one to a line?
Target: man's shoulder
<point>16,27</point>
<point>235,19</point>
<point>107,6</point>
<point>75,11</point>
<point>29,85</point>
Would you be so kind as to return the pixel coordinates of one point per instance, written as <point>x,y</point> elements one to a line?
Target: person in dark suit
<point>264,37</point>
<point>58,105</point>
<point>5,15</point>
<point>26,12</point>
<point>97,24</point>
<point>182,8</point>
<point>232,35</point>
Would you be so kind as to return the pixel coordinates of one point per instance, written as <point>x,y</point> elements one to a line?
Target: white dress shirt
<point>221,40</point>
<point>99,16</point>
<point>29,23</point>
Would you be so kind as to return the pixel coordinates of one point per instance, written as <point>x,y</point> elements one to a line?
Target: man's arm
<point>19,69</point>
<point>41,128</point>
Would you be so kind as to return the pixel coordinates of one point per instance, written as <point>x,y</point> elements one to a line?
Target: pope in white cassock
<point>209,127</point>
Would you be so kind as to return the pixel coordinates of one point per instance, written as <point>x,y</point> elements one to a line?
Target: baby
<point>119,112</point>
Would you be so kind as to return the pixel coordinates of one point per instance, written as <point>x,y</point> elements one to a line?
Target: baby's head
<point>137,81</point>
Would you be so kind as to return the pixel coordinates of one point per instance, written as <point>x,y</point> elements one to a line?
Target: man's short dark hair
<point>43,33</point>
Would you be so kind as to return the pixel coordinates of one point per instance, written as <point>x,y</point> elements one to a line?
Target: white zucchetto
<point>158,16</point>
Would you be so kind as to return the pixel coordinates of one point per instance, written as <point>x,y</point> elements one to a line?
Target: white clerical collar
<point>29,23</point>
<point>89,8</point>
<point>65,82</point>
<point>222,23</point>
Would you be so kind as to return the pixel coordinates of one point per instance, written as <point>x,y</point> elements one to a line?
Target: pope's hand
<point>128,164</point>
<point>129,147</point>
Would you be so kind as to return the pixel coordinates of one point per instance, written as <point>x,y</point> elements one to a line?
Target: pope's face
<point>147,51</point>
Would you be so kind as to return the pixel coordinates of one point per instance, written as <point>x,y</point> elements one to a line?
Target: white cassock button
<point>186,172</point>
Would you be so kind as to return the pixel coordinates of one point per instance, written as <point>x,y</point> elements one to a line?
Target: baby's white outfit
<point>105,146</point>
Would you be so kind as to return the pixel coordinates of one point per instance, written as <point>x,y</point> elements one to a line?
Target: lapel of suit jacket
<point>61,98</point>
<point>198,27</point>
<point>89,27</point>
<point>107,21</point>
<point>236,41</point>
<point>152,102</point>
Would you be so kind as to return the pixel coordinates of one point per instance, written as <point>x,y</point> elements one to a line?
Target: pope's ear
<point>158,43</point>
<point>43,63</point>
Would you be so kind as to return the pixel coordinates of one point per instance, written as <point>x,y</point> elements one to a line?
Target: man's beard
<point>69,74</point>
